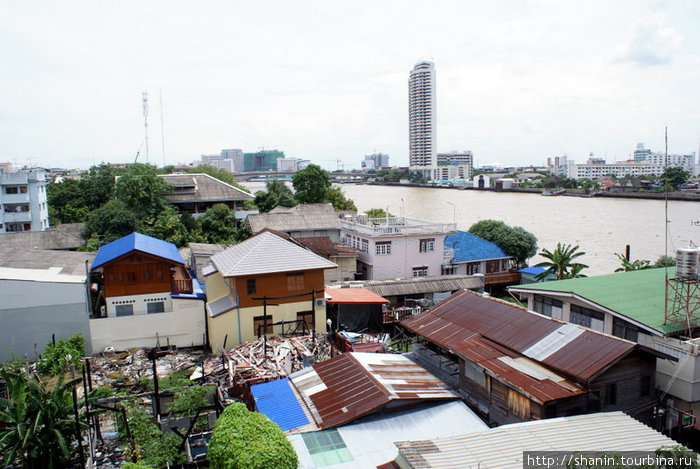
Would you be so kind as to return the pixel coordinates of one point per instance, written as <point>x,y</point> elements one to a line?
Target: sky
<point>517,81</point>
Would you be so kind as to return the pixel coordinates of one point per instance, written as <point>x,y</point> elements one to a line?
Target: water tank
<point>688,263</point>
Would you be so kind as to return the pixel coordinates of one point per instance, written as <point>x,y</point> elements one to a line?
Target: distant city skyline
<point>518,81</point>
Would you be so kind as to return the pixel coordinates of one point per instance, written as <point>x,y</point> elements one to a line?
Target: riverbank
<point>681,196</point>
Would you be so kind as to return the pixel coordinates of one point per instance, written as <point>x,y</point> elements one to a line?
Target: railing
<point>17,217</point>
<point>399,314</point>
<point>396,227</point>
<point>502,277</point>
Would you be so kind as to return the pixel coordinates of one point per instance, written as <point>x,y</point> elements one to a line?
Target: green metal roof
<point>639,294</point>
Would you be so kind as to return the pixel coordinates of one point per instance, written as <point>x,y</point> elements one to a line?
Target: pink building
<point>396,247</point>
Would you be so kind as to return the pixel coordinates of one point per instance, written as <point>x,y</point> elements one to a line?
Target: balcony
<point>396,226</point>
<point>17,217</point>
<point>180,281</point>
<point>500,278</point>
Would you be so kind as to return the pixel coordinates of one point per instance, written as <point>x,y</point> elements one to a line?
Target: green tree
<point>626,265</point>
<point>219,225</point>
<point>515,241</point>
<point>110,222</point>
<point>378,213</point>
<point>39,422</point>
<point>674,177</point>
<point>337,198</point>
<point>249,440</point>
<point>560,262</point>
<point>277,193</point>
<point>167,226</point>
<point>143,191</point>
<point>311,185</point>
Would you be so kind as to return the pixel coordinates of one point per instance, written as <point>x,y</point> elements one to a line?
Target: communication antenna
<point>162,129</point>
<point>144,99</point>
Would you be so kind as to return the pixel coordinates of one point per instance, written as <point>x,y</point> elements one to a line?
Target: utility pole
<point>144,99</point>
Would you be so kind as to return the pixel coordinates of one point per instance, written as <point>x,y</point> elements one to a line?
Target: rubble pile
<point>123,369</point>
<point>263,360</point>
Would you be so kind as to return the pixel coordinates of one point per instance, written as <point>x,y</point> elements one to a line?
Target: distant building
<point>230,159</point>
<point>558,166</point>
<point>196,193</point>
<point>652,164</point>
<point>640,153</point>
<point>455,165</point>
<point>291,165</point>
<point>375,161</point>
<point>422,119</point>
<point>263,160</point>
<point>5,167</point>
<point>23,201</point>
<point>396,247</point>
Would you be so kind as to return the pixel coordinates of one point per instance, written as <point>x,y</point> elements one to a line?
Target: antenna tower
<point>144,99</point>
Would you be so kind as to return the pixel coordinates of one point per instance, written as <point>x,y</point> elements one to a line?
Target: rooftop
<point>59,237</point>
<point>638,295</point>
<point>395,226</point>
<point>137,242</point>
<point>353,295</point>
<point>62,262</point>
<point>417,285</point>
<point>266,253</point>
<point>303,217</point>
<point>324,246</point>
<point>503,447</point>
<point>469,247</point>
<point>202,188</point>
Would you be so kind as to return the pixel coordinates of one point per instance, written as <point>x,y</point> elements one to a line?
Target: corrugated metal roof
<point>479,327</point>
<point>352,385</point>
<point>638,295</point>
<point>277,400</point>
<point>324,246</point>
<point>371,439</point>
<point>418,285</point>
<point>353,296</point>
<point>303,217</point>
<point>503,447</point>
<point>266,253</point>
<point>137,242</point>
<point>205,188</point>
<point>68,262</point>
<point>63,236</point>
<point>469,247</point>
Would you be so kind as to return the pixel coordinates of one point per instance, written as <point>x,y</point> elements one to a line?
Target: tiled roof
<point>638,295</point>
<point>266,253</point>
<point>59,237</point>
<point>137,242</point>
<point>503,447</point>
<point>418,285</point>
<point>543,357</point>
<point>202,188</point>
<point>67,262</point>
<point>469,247</point>
<point>324,246</point>
<point>299,218</point>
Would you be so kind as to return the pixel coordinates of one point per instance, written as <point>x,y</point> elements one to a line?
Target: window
<point>645,386</point>
<point>155,307</point>
<point>420,271</point>
<point>159,273</point>
<point>295,281</point>
<point>260,323</point>
<point>326,448</point>
<point>427,245</point>
<point>12,190</point>
<point>585,316</point>
<point>625,330</point>
<point>544,305</point>
<point>611,394</point>
<point>250,286</point>
<point>448,270</point>
<point>124,310</point>
<point>146,274</point>
<point>365,246</point>
<point>131,276</point>
<point>383,248</point>
<point>473,268</point>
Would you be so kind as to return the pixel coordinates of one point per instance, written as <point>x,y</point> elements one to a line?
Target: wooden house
<point>515,365</point>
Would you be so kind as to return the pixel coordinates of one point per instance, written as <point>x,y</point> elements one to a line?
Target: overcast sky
<point>517,81</point>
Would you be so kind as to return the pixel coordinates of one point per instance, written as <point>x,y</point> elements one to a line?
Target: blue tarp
<point>277,400</point>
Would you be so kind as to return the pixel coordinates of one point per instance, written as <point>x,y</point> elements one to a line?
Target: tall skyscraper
<point>422,135</point>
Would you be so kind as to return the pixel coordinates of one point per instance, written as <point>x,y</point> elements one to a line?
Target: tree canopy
<point>311,185</point>
<point>277,193</point>
<point>674,177</point>
<point>626,265</point>
<point>515,241</point>
<point>560,262</point>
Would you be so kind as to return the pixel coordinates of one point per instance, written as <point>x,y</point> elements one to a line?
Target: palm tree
<point>560,262</point>
<point>626,265</point>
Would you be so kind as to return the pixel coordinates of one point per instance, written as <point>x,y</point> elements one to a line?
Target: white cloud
<point>650,42</point>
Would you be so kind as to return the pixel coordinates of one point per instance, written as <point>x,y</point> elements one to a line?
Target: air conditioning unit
<point>320,302</point>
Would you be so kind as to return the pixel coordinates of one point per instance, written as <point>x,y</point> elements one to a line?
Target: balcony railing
<point>396,226</point>
<point>391,316</point>
<point>180,281</point>
<point>502,277</point>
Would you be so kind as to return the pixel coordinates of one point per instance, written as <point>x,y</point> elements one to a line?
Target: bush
<point>54,357</point>
<point>249,440</point>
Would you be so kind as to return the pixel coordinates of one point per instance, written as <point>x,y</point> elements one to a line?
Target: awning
<point>221,306</point>
<point>353,296</point>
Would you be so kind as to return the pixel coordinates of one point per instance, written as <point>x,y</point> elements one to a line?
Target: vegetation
<point>249,440</point>
<point>218,225</point>
<point>57,357</point>
<point>626,265</point>
<point>515,241</point>
<point>277,193</point>
<point>40,424</point>
<point>312,185</point>
<point>665,261</point>
<point>560,262</point>
<point>673,178</point>
<point>378,213</point>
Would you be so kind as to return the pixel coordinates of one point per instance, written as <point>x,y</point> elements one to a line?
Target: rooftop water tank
<point>688,263</point>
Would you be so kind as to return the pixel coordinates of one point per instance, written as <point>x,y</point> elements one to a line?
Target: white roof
<point>266,253</point>
<point>370,440</point>
<point>503,447</point>
<point>52,275</point>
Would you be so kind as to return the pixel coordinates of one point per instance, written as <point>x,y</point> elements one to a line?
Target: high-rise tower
<point>421,119</point>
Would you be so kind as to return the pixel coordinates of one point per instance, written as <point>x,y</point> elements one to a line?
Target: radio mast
<point>144,99</point>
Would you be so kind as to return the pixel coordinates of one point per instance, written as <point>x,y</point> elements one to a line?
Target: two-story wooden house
<point>515,365</point>
<point>264,285</point>
<point>149,296</point>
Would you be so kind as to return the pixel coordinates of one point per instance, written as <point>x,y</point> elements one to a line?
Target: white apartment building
<point>654,164</point>
<point>230,160</point>
<point>23,203</point>
<point>422,122</point>
<point>291,165</point>
<point>455,165</point>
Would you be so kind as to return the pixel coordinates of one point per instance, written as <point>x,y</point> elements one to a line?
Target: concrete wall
<point>27,320</point>
<point>183,327</point>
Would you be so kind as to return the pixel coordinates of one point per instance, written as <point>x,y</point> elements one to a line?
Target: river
<point>600,226</point>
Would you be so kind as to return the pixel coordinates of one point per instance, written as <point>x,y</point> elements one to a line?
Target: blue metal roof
<point>469,247</point>
<point>277,400</point>
<point>137,242</point>
<point>532,270</point>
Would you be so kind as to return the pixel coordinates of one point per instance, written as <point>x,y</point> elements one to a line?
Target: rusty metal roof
<point>348,386</point>
<point>544,356</point>
<point>353,295</point>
